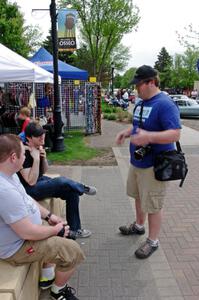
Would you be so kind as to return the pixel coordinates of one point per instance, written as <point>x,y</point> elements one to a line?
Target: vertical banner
<point>66,29</point>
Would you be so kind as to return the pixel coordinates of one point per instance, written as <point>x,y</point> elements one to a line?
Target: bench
<point>21,283</point>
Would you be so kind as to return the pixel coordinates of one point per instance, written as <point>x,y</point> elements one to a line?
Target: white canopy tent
<point>15,68</point>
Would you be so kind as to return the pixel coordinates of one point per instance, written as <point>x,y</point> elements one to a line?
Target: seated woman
<point>24,120</point>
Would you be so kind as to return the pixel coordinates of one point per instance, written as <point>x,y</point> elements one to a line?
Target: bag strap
<point>179,149</point>
<point>178,146</point>
<point>140,124</point>
<point>182,180</point>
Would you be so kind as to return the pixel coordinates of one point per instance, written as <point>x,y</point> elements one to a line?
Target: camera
<point>141,151</point>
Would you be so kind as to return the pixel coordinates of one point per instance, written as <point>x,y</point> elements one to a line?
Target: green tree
<point>177,72</point>
<point>190,58</point>
<point>33,36</point>
<point>118,81</point>
<point>183,71</point>
<point>163,65</point>
<point>127,77</point>
<point>102,26</point>
<point>11,28</point>
<point>13,34</point>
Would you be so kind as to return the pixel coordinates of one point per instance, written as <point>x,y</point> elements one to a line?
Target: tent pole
<point>33,110</point>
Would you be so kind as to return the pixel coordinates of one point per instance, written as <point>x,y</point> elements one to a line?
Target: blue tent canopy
<point>45,60</point>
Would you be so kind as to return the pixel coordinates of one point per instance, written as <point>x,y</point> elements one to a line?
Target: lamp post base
<point>58,144</point>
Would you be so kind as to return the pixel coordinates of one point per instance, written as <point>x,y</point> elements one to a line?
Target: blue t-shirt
<point>159,113</point>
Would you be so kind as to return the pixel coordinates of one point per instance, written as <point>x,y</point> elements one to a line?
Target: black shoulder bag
<point>169,165</point>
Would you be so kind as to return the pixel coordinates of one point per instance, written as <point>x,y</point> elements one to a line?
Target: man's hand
<point>35,153</point>
<point>141,138</point>
<point>120,138</point>
<point>42,152</point>
<point>60,226</point>
<point>54,220</point>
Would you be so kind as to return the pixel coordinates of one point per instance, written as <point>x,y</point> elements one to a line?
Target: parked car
<point>188,107</point>
<point>179,97</point>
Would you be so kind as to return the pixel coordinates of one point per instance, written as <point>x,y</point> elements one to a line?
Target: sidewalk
<point>111,270</point>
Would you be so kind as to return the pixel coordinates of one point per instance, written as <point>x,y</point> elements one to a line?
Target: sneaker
<point>145,250</point>
<point>45,283</point>
<point>71,235</point>
<point>90,190</point>
<point>82,233</point>
<point>67,293</point>
<point>131,229</point>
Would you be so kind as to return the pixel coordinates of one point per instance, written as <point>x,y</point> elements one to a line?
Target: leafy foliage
<point>190,39</point>
<point>13,34</point>
<point>127,77</point>
<point>163,65</point>
<point>184,71</point>
<point>33,37</point>
<point>11,28</point>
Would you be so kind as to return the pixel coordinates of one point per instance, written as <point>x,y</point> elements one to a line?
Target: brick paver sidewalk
<point>111,271</point>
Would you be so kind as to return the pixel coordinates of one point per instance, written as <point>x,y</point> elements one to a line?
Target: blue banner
<point>66,29</point>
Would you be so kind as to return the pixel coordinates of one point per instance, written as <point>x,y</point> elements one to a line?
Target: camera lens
<point>140,152</point>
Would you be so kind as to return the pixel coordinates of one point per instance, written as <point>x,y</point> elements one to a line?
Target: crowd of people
<point>23,164</point>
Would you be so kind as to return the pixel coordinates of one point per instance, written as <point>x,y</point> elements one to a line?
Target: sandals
<point>145,250</point>
<point>131,229</point>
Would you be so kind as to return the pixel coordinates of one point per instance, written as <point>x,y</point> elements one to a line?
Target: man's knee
<point>65,253</point>
<point>69,254</point>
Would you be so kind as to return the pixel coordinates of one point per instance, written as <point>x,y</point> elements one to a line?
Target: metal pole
<point>112,80</point>
<point>58,142</point>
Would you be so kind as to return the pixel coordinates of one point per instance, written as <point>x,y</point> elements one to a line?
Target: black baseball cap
<point>34,129</point>
<point>143,73</point>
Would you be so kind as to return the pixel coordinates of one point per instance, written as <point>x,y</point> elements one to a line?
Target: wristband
<point>48,216</point>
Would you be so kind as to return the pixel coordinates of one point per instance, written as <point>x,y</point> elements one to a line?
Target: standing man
<point>156,126</point>
<point>23,238</point>
<point>39,186</point>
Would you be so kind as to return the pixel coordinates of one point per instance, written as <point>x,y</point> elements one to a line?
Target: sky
<point>157,28</point>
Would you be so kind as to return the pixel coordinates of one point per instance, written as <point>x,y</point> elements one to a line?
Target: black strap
<point>178,146</point>
<point>182,180</point>
<point>140,124</point>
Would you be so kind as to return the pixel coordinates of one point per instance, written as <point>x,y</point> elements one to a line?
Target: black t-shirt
<point>28,164</point>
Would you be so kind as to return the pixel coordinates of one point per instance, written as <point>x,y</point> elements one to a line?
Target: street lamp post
<point>58,141</point>
<point>112,78</point>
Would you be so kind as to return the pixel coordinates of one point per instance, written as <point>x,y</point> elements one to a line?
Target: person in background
<point>23,120</point>
<point>24,116</point>
<point>125,96</point>
<point>156,126</point>
<point>23,238</point>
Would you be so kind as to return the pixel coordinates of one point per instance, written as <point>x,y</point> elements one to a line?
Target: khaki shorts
<point>65,253</point>
<point>142,185</point>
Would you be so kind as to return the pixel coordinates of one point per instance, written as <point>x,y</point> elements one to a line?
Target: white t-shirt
<point>15,204</point>
<point>125,96</point>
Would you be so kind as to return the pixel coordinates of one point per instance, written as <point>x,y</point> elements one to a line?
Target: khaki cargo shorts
<point>65,253</point>
<point>142,185</point>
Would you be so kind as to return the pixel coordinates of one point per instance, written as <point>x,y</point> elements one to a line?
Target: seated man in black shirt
<point>39,186</point>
